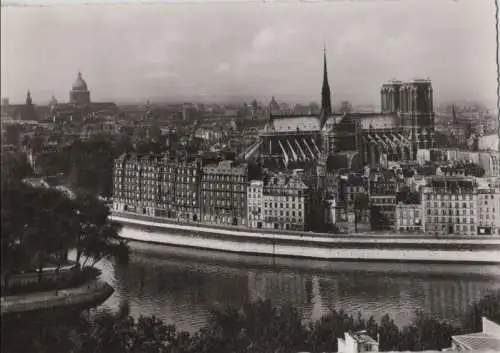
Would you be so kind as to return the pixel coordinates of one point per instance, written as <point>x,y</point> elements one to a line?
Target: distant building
<point>488,142</point>
<point>5,107</point>
<point>345,107</point>
<point>79,93</point>
<point>79,108</point>
<point>27,111</point>
<point>488,160</point>
<point>274,107</point>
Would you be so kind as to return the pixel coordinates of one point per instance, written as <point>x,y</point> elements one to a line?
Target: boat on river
<point>355,247</point>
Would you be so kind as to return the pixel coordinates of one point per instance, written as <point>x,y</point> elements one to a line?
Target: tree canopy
<point>258,327</point>
<point>40,225</point>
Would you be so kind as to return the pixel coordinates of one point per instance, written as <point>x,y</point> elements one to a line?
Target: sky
<point>223,51</point>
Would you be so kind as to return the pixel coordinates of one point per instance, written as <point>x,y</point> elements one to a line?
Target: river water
<point>182,286</point>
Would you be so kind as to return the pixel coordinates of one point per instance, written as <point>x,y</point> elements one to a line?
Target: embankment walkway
<point>87,294</point>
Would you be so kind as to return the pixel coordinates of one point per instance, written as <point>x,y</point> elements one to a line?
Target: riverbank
<point>312,245</point>
<point>87,294</point>
<point>388,234</point>
<point>49,275</point>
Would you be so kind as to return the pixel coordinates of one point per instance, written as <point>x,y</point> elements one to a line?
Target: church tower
<point>27,111</point>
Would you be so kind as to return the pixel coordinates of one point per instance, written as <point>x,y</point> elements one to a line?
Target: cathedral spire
<point>326,103</point>
<point>28,98</point>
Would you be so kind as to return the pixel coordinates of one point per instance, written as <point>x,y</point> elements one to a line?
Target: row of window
<point>130,167</point>
<point>223,203</point>
<point>383,201</point>
<point>210,186</point>
<point>449,219</point>
<point>462,212</point>
<point>451,229</point>
<point>451,204</point>
<point>447,197</point>
<point>281,213</point>
<point>156,180</point>
<point>282,205</point>
<point>226,178</point>
<point>218,194</point>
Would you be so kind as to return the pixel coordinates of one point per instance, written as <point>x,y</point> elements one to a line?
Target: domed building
<point>79,108</point>
<point>79,93</point>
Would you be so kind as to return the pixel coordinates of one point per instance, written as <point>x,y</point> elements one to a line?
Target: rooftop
<point>362,337</point>
<point>479,341</point>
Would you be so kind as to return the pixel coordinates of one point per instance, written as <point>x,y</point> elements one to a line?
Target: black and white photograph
<point>240,176</point>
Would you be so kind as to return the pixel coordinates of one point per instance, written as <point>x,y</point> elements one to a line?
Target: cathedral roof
<point>79,84</point>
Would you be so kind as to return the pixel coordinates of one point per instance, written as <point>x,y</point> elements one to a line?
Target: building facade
<point>223,193</point>
<point>383,187</point>
<point>450,205</point>
<point>160,186</point>
<point>287,202</point>
<point>408,218</point>
<point>279,201</point>
<point>255,204</point>
<point>488,211</point>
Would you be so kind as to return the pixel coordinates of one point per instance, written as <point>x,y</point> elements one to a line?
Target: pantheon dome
<point>79,93</point>
<point>79,84</point>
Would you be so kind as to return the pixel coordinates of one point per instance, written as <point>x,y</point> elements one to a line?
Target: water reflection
<point>182,285</point>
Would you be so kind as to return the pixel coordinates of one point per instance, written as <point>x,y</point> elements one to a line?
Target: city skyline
<point>250,50</point>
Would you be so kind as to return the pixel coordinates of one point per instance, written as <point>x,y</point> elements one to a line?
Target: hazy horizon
<point>240,51</point>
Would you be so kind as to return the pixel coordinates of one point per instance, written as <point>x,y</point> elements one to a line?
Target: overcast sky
<point>203,52</point>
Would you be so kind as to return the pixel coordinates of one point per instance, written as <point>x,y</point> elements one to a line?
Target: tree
<point>377,219</point>
<point>36,236</point>
<point>389,334</point>
<point>50,237</point>
<point>488,306</point>
<point>361,203</point>
<point>253,328</point>
<point>15,167</point>
<point>98,236</point>
<point>50,225</point>
<point>426,333</point>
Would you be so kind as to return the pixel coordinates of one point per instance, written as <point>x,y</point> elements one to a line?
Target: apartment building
<point>450,205</point>
<point>158,185</point>
<point>223,193</point>
<point>488,211</point>
<point>279,201</point>
<point>408,218</point>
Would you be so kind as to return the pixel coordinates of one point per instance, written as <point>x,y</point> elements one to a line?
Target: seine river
<point>181,286</point>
